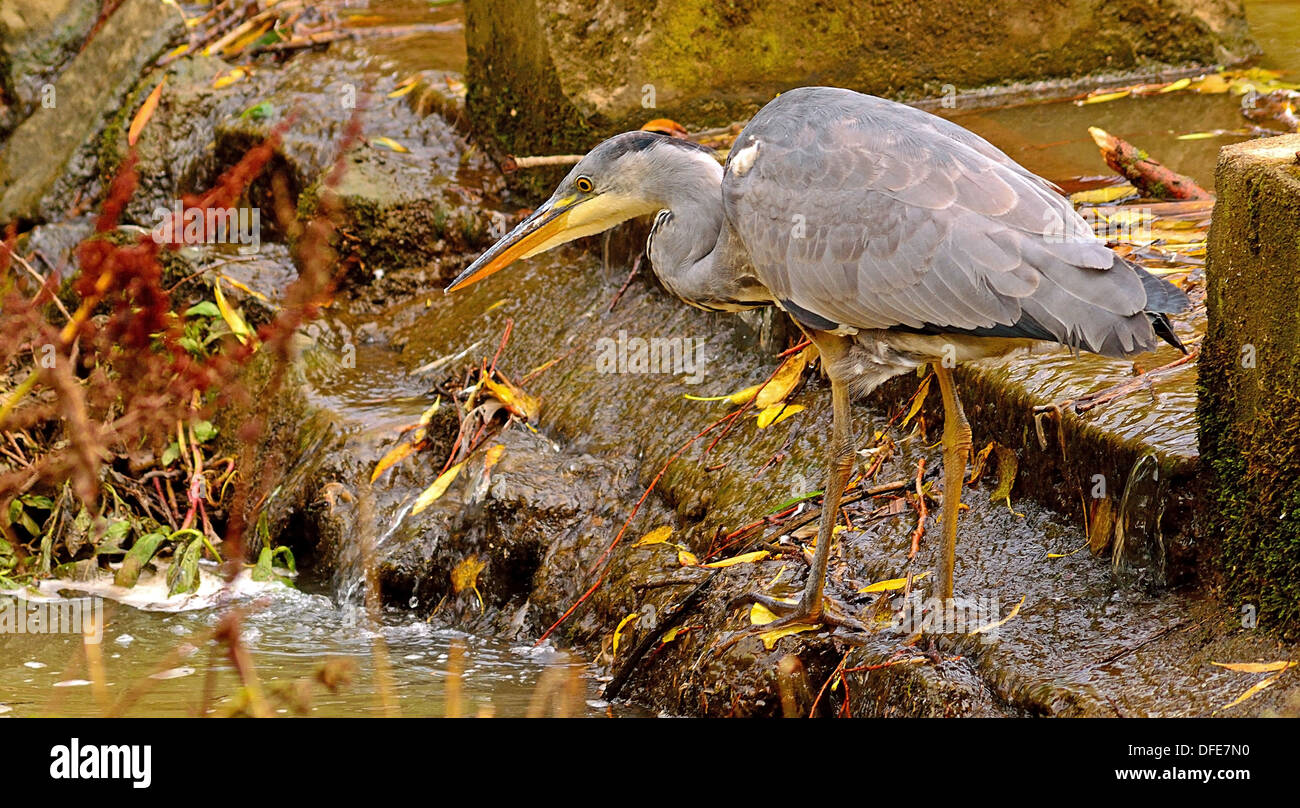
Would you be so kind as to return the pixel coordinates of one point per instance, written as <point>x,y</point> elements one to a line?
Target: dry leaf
<point>777,413</point>
<point>743,558</point>
<point>1256,667</point>
<point>657,536</point>
<point>618,632</point>
<point>394,456</point>
<point>890,585</point>
<point>146,112</point>
<point>918,399</point>
<point>436,490</point>
<point>515,400</point>
<point>1252,691</point>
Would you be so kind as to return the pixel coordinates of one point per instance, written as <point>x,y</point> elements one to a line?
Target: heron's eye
<point>584,184</point>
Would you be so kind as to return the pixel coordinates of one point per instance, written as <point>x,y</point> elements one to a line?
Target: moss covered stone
<point>1249,382</point>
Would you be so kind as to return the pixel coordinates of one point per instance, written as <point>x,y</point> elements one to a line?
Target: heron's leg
<point>813,605</point>
<point>956,450</point>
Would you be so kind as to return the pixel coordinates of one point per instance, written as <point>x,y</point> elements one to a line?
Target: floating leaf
<point>657,536</point>
<point>760,615</point>
<point>1256,667</point>
<point>436,490</point>
<point>770,638</point>
<point>777,413</point>
<point>743,558</point>
<point>1175,86</point>
<point>890,585</point>
<point>1102,196</point>
<point>618,632</point>
<point>687,559</point>
<point>146,112</point>
<point>1099,98</point>
<point>390,144</point>
<point>1252,691</point>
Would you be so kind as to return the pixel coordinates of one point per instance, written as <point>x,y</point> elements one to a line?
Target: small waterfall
<point>1139,556</point>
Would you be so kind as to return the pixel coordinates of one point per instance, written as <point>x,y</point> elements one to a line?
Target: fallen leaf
<point>657,536</point>
<point>436,490</point>
<point>687,559</point>
<point>394,456</point>
<point>1257,667</point>
<point>1099,98</point>
<point>760,615</point>
<point>777,413</point>
<point>1101,196</point>
<point>743,558</point>
<point>465,576</point>
<point>1175,86</point>
<point>515,400</point>
<point>918,399</point>
<point>234,321</point>
<point>493,456</point>
<point>769,638</point>
<point>146,112</point>
<point>390,144</point>
<point>403,87</point>
<point>1252,691</point>
<point>996,623</point>
<point>229,77</point>
<point>739,397</point>
<point>785,379</point>
<point>618,632</point>
<point>890,585</point>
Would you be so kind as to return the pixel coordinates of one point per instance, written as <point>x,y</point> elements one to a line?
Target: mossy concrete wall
<point>1249,407</point>
<point>546,77</point>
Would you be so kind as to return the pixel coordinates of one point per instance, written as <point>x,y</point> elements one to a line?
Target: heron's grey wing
<point>872,214</point>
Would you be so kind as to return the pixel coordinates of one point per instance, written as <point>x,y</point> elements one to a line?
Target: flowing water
<point>293,633</point>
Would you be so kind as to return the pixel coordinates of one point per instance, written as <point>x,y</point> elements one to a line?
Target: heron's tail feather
<point>1163,298</point>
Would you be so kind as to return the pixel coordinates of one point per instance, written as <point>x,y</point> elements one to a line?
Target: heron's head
<point>629,175</point>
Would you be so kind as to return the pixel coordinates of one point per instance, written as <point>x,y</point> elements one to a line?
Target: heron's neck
<point>690,245</point>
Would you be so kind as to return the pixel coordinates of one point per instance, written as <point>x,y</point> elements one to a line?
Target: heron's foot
<point>829,613</point>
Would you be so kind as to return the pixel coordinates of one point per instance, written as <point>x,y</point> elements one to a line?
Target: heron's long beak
<point>529,236</point>
<point>554,223</point>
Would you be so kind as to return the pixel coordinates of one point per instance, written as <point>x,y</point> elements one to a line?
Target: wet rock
<point>1249,410</point>
<point>49,154</point>
<point>37,37</point>
<point>552,78</point>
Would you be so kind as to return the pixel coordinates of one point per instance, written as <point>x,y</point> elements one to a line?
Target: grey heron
<point>892,237</point>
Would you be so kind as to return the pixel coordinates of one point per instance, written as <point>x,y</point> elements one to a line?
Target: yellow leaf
<point>146,112</point>
<point>493,456</point>
<point>465,576</point>
<point>769,638</point>
<point>1198,136</point>
<point>670,635</point>
<point>687,559</point>
<point>1256,667</point>
<point>1100,196</point>
<point>743,558</point>
<point>232,317</point>
<point>229,77</point>
<point>394,456</point>
<point>389,143</point>
<point>917,400</point>
<point>996,623</point>
<point>436,490</point>
<point>760,615</point>
<point>403,87</point>
<point>738,397</point>
<point>1067,555</point>
<point>777,413</point>
<point>891,585</point>
<point>618,632</point>
<point>785,379</point>
<point>515,400</point>
<point>657,536</point>
<point>1103,97</point>
<point>1175,86</point>
<point>1252,691</point>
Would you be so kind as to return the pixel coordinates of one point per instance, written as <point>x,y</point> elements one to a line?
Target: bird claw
<point>830,613</point>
